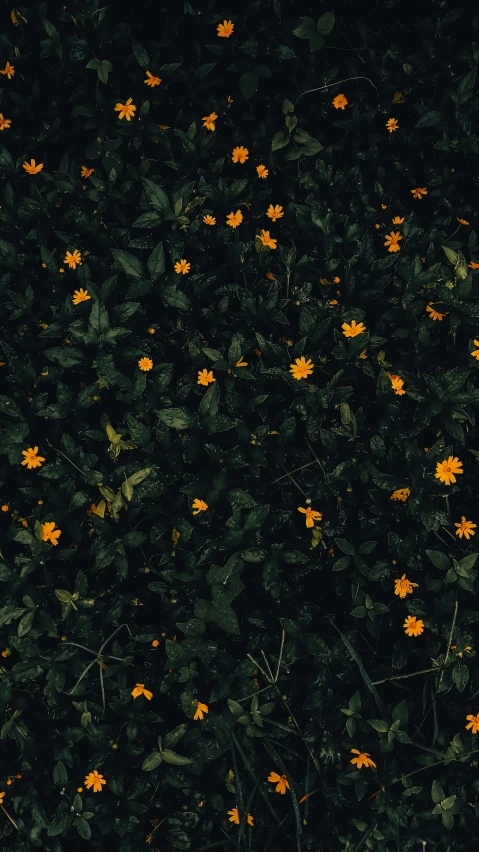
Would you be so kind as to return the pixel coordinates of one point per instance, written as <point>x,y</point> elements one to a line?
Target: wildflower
<point>205,377</point>
<point>201,709</point>
<point>463,222</point>
<point>225,29</point>
<point>141,690</point>
<point>73,259</point>
<point>282,783</point>
<point>182,266</point>
<point>333,302</point>
<point>377,228</point>
<point>86,172</point>
<point>80,295</point>
<point>274,213</point>
<point>397,384</point>
<point>465,528</point>
<point>301,369</point>
<point>241,363</point>
<point>126,110</point>
<point>354,329</point>
<point>32,167</point>
<point>234,219</point>
<point>6,652</point>
<point>151,80</point>
<point>79,789</point>
<point>98,510</point>
<point>175,537</point>
<point>234,817</point>
<point>145,364</point>
<point>392,124</point>
<point>32,459</point>
<point>95,780</point>
<point>5,507</point>
<point>446,469</point>
<point>473,723</point>
<point>392,241</point>
<point>199,505</point>
<point>363,759</point>
<point>336,280</point>
<point>240,154</point>
<point>363,354</point>
<point>473,265</point>
<point>152,331</point>
<point>155,643</point>
<point>49,533</point>
<point>2,796</point>
<point>435,315</point>
<point>398,98</point>
<point>5,123</point>
<point>413,626</point>
<point>262,171</point>
<point>475,354</point>
<point>404,587</point>
<point>209,220</point>
<point>398,220</point>
<point>267,240</point>
<point>467,650</point>
<point>340,102</point>
<point>311,516</point>
<point>61,269</point>
<point>209,121</point>
<point>9,70</point>
<point>419,192</point>
<point>401,494</point>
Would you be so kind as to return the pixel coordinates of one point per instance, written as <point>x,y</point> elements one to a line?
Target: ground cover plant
<point>238,449</point>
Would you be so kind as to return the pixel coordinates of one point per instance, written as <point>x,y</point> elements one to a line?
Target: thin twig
<point>72,463</point>
<point>9,817</point>
<point>412,674</point>
<point>449,642</point>
<point>296,470</point>
<point>320,88</point>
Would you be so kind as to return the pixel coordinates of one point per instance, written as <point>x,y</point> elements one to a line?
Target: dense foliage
<point>238,596</point>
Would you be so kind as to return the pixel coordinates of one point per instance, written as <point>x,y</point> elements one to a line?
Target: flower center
<point>447,469</point>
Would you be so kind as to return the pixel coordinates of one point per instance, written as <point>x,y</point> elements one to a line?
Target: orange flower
<point>301,369</point>
<point>363,759</point>
<point>209,220</point>
<point>145,364</point>
<point>209,121</point>
<point>266,239</point>
<point>398,220</point>
<point>49,533</point>
<point>354,329</point>
<point>151,80</point>
<point>240,154</point>
<point>225,29</point>
<point>182,266</point>
<point>340,102</point>
<point>463,222</point>
<point>282,783</point>
<point>201,709</point>
<point>435,315</point>
<point>475,354</point>
<point>465,528</point>
<point>235,817</point>
<point>140,690</point>
<point>274,213</point>
<point>397,384</point>
<point>398,98</point>
<point>9,70</point>
<point>31,168</point>
<point>311,516</point>
<point>241,363</point>
<point>126,110</point>
<point>473,265</point>
<point>80,295</point>
<point>446,469</point>
<point>85,172</point>
<point>95,780</point>
<point>155,643</point>
<point>419,192</point>
<point>262,171</point>
<point>272,278</point>
<point>234,219</point>
<point>392,241</point>
<point>5,123</point>
<point>401,494</point>
<point>205,377</point>
<point>32,459</point>
<point>392,124</point>
<point>404,587</point>
<point>199,506</point>
<point>73,259</point>
<point>413,626</point>
<point>473,723</point>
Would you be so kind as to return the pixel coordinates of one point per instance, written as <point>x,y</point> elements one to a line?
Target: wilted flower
<point>363,759</point>
<point>403,587</point>
<point>282,783</point>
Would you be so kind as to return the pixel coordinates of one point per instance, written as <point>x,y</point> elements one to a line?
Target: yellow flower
<point>240,154</point>
<point>266,239</point>
<point>49,533</point>
<point>419,192</point>
<point>182,266</point>
<point>205,377</point>
<point>413,626</point>
<point>398,220</point>
<point>473,265</point>
<point>475,354</point>
<point>473,723</point>
<point>145,364</point>
<point>340,102</point>
<point>32,167</point>
<point>463,222</point>
<point>234,817</point>
<point>446,469</point>
<point>435,315</point>
<point>392,124</point>
<point>241,363</point>
<point>282,783</point>
<point>234,219</point>
<point>201,709</point>
<point>354,329</point>
<point>401,494</point>
<point>225,29</point>
<point>209,121</point>
<point>363,759</point>
<point>262,171</point>
<point>86,172</point>
<point>151,80</point>
<point>155,643</point>
<point>73,259</point>
<point>141,690</point>
<point>301,369</point>
<point>9,70</point>
<point>95,780</point>
<point>467,650</point>
<point>311,516</point>
<point>392,241</point>
<point>403,587</point>
<point>5,123</point>
<point>465,528</point>
<point>199,505</point>
<point>80,295</point>
<point>397,384</point>
<point>209,220</point>
<point>126,110</point>
<point>398,98</point>
<point>275,212</point>
<point>32,459</point>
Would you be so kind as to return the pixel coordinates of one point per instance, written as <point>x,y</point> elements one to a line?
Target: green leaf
<point>156,262</point>
<point>326,23</point>
<point>430,119</point>
<point>355,702</point>
<point>66,356</point>
<point>152,761</point>
<point>210,401</point>
<point>280,139</point>
<point>156,195</point>
<point>129,263</point>
<point>25,624</point>
<point>400,713</point>
<point>177,418</point>
<point>437,793</point>
<point>345,546</point>
<point>450,254</point>
<point>379,725</point>
<point>174,758</point>
<point>248,83</point>
<point>440,560</point>
<point>140,54</point>
<point>60,774</point>
<point>306,28</point>
<point>174,736</point>
<point>83,828</point>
